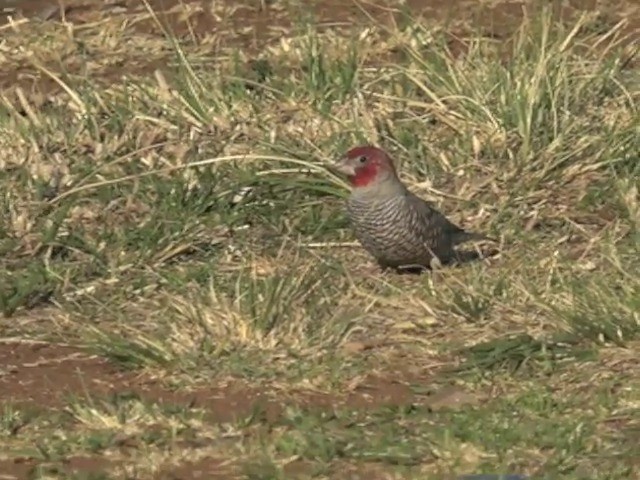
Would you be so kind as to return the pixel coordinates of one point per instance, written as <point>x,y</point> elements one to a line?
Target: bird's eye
<point>362,159</point>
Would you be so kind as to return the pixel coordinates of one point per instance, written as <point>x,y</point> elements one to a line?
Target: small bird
<point>402,231</point>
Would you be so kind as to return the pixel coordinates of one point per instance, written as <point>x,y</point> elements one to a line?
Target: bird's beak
<point>343,167</point>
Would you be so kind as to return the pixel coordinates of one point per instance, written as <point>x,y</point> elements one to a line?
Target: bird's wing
<point>432,223</point>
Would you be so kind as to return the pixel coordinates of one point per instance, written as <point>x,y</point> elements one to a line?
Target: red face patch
<point>367,162</point>
<point>365,174</point>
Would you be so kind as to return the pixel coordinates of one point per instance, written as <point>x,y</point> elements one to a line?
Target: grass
<point>184,226</point>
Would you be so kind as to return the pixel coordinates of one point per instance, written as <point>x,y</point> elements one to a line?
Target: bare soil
<point>253,25</point>
<point>45,375</point>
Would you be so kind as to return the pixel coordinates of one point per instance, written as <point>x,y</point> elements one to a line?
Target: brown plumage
<point>398,228</point>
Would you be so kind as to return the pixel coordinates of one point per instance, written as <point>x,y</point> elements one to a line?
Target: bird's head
<point>367,166</point>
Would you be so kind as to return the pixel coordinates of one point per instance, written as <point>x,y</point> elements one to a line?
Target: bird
<point>399,229</point>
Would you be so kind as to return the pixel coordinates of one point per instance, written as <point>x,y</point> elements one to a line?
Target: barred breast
<point>397,234</point>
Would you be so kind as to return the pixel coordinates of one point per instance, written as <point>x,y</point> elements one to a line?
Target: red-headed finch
<point>398,228</point>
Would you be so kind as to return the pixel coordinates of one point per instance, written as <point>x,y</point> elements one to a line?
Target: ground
<point>181,293</point>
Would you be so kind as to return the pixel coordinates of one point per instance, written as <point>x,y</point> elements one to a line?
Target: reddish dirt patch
<point>378,391</point>
<point>359,471</point>
<point>45,375</point>
<point>42,374</point>
<point>262,19</point>
<point>236,400</point>
<point>251,25</point>
<point>79,11</point>
<point>17,468</point>
<point>25,468</point>
<point>202,469</point>
<point>87,464</point>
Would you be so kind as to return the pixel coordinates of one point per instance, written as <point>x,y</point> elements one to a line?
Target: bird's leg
<point>435,263</point>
